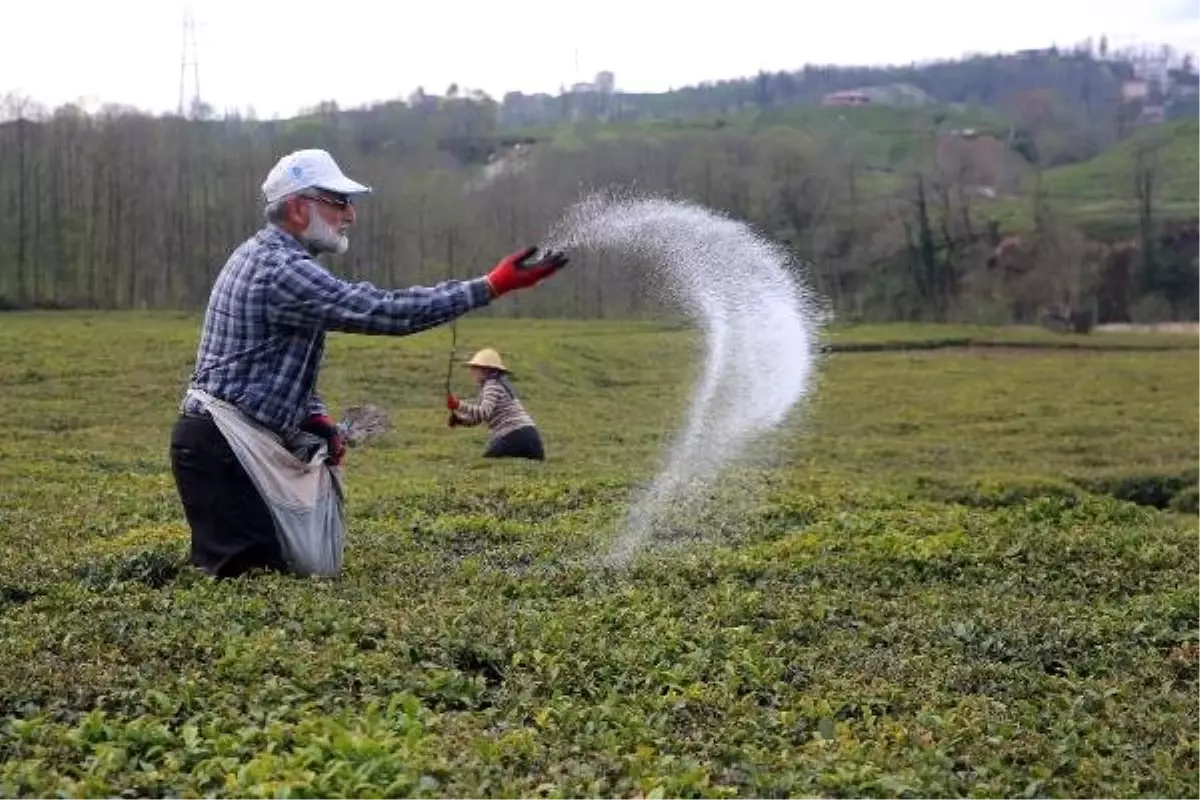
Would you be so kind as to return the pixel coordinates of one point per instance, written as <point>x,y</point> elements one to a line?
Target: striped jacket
<point>502,412</point>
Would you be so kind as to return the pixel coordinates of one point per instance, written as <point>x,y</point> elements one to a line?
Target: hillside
<point>880,137</point>
<point>1102,188</point>
<point>1099,194</point>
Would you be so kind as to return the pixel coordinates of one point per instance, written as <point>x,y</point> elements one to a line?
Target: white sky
<point>277,56</point>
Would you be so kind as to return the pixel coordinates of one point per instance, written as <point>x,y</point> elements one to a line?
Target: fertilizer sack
<point>304,495</point>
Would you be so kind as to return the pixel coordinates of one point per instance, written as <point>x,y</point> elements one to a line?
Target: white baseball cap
<point>308,169</point>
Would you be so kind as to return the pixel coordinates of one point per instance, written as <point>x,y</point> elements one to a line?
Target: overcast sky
<point>277,57</point>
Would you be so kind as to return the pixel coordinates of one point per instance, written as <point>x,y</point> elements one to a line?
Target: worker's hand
<point>322,425</point>
<point>452,401</point>
<point>516,271</point>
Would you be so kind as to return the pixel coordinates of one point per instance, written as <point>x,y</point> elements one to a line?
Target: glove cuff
<point>320,424</point>
<point>493,287</point>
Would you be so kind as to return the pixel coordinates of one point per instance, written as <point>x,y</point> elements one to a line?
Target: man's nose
<point>351,214</point>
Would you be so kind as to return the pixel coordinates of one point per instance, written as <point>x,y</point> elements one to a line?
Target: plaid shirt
<point>264,331</point>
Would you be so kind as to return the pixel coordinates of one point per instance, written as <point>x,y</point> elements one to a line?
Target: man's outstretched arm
<point>305,293</point>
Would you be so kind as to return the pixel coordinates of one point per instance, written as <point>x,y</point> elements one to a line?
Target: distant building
<point>845,99</point>
<point>1135,90</point>
<point>1183,83</point>
<point>603,83</point>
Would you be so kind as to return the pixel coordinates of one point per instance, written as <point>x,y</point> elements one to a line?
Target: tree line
<point>120,209</point>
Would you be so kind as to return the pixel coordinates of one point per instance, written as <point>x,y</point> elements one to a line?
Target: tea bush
<point>974,572</point>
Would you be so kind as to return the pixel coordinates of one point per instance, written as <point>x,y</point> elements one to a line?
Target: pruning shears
<point>453,352</point>
<point>452,420</point>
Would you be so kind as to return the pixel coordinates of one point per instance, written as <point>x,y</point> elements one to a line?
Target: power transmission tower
<point>190,57</point>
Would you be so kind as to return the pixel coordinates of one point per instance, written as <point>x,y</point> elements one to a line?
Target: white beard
<point>321,236</point>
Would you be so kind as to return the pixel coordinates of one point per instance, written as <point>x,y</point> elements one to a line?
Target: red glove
<point>451,401</point>
<point>322,425</point>
<point>515,271</point>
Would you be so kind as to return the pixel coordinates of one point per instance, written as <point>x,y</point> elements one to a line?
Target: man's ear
<point>297,212</point>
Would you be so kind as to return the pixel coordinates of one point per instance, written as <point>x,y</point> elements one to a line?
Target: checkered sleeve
<point>303,294</point>
<point>315,405</point>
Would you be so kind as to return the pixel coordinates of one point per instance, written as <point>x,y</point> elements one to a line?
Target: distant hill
<point>1091,85</point>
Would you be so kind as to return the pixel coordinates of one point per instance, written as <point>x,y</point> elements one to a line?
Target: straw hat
<point>487,358</point>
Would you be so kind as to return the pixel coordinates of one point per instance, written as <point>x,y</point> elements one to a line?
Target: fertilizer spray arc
<point>760,323</point>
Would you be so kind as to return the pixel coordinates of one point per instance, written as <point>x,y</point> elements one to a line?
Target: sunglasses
<point>341,203</point>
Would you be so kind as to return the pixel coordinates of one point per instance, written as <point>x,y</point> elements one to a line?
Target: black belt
<point>204,415</point>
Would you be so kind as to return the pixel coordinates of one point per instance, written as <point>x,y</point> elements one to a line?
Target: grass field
<point>974,575</point>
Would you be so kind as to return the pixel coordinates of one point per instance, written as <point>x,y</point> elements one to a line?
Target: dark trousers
<point>522,443</point>
<point>232,529</point>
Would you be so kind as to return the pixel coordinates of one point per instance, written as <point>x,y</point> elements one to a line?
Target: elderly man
<point>262,342</point>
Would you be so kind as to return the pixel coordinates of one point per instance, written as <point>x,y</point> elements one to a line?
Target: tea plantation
<point>968,567</point>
